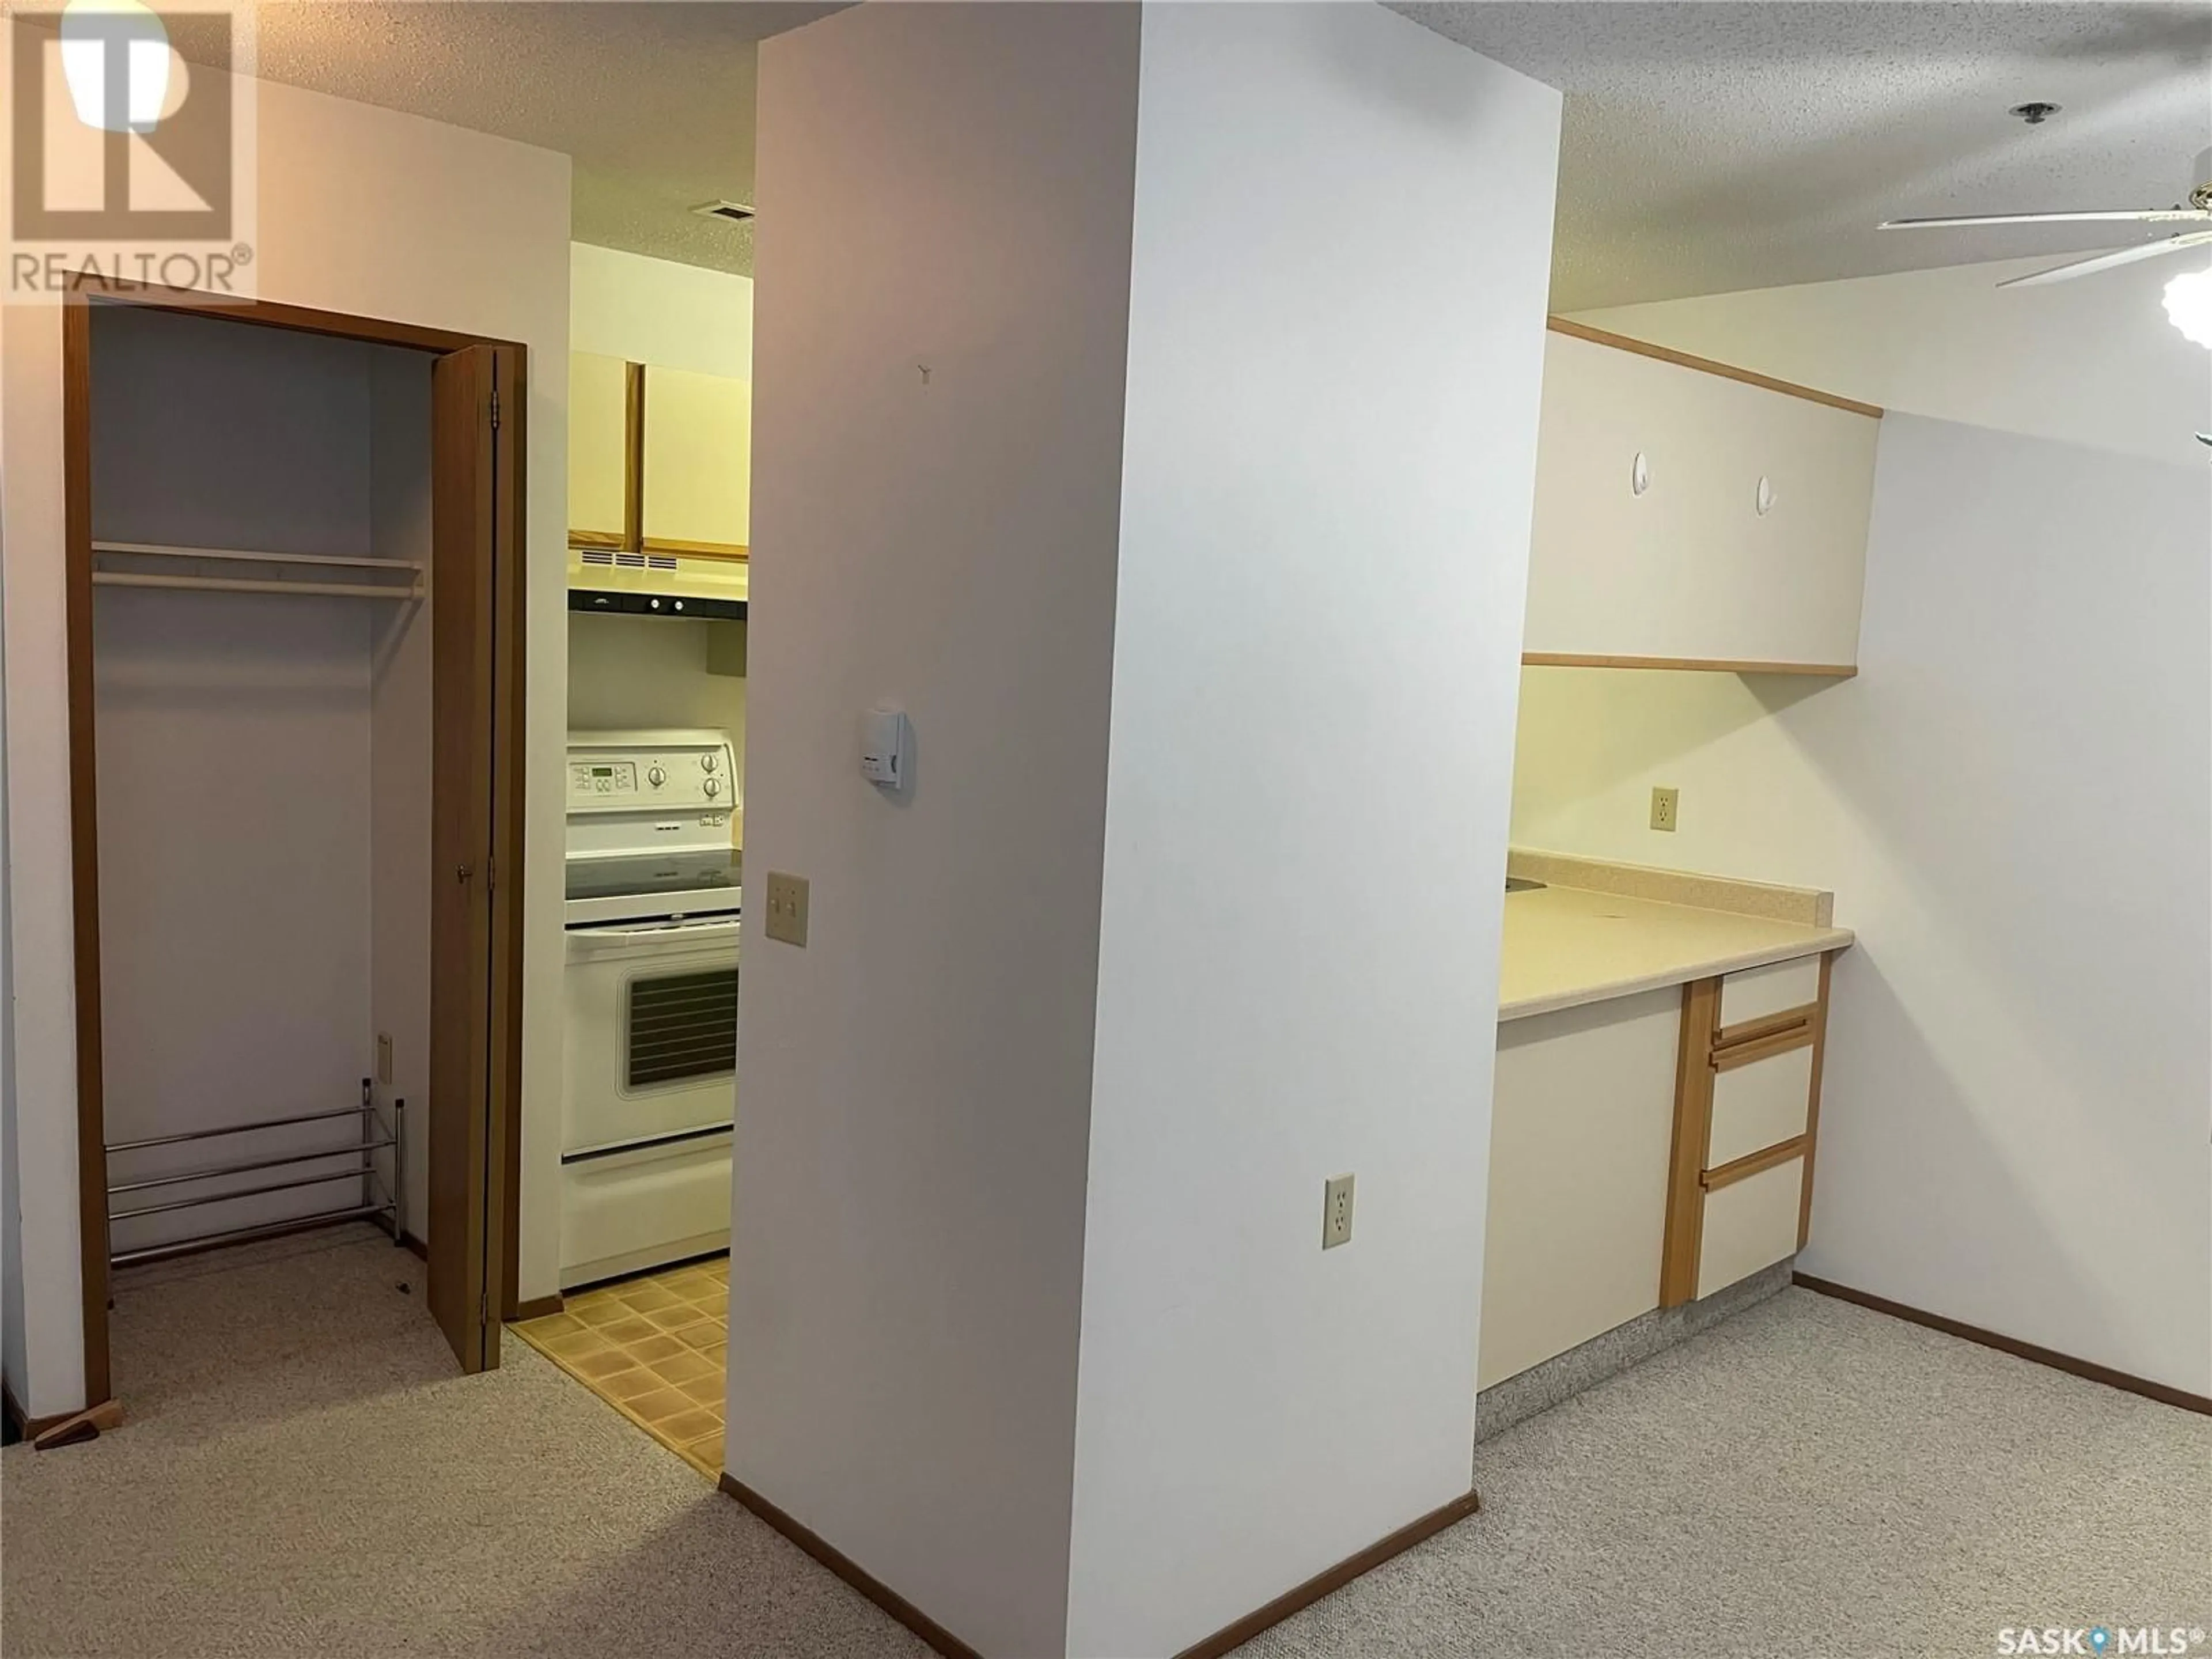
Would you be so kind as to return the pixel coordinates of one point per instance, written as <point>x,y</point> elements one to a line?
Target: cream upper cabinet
<point>698,459</point>
<point>1690,519</point>
<point>597,424</point>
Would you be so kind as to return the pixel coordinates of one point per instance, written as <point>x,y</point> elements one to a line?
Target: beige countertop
<point>1565,947</point>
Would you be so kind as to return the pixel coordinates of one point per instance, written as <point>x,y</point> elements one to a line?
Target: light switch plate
<point>383,1056</point>
<point>787,907</point>
<point>1666,805</point>
<point>1336,1211</point>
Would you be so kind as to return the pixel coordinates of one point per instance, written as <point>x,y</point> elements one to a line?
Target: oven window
<point>682,1026</point>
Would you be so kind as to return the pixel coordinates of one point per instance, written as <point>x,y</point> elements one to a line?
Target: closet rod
<point>236,1128</point>
<point>240,1235</point>
<point>347,1151</point>
<point>240,556</point>
<point>243,1191</point>
<point>233,585</point>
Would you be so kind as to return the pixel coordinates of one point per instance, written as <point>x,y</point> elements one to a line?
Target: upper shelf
<point>307,586</point>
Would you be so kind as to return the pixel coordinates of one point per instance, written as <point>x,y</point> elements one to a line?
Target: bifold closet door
<point>472,525</point>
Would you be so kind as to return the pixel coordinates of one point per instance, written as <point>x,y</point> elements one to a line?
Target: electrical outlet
<point>1336,1211</point>
<point>383,1056</point>
<point>1666,805</point>
<point>787,907</point>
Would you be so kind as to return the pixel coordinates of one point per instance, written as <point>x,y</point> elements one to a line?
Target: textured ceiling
<point>1708,146</point>
<point>1714,147</point>
<point>652,99</point>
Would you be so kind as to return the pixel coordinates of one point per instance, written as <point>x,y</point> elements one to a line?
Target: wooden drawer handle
<point>1753,1030</point>
<point>1752,1163</point>
<point>1766,1048</point>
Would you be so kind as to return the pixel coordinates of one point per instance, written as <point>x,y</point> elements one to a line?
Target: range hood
<point>656,582</point>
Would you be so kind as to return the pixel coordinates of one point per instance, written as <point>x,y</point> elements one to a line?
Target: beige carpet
<point>304,1474</point>
<point>1805,1480</point>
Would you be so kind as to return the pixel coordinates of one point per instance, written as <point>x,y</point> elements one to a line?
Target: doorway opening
<point>294,647</point>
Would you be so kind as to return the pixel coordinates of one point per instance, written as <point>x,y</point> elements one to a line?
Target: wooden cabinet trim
<point>1766,1048</point>
<point>1707,1050</point>
<point>611,540</point>
<point>1752,1162</point>
<point>1812,1105</point>
<point>1693,1110</point>
<point>699,549</point>
<point>1767,1025</point>
<point>633,457</point>
<point>1708,366</point>
<point>1833,671</point>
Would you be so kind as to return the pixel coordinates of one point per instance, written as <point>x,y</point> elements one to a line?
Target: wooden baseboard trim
<point>27,1427</point>
<point>537,1306</point>
<point>939,1639</point>
<point>1231,1636</point>
<point>383,1224</point>
<point>2164,1392</point>
<point>73,1428</point>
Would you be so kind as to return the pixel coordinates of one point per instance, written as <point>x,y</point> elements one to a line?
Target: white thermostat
<point>885,747</point>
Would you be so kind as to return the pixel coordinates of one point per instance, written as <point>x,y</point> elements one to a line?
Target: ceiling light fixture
<point>115,45</point>
<point>2189,305</point>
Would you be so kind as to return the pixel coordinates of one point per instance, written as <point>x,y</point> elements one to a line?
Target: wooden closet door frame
<point>500,636</point>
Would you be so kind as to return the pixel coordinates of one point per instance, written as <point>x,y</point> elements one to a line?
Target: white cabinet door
<point>597,437</point>
<point>698,459</point>
<point>1690,569</point>
<point>1749,1225</point>
<point>1581,1121</point>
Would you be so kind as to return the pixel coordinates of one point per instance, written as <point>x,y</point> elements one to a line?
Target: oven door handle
<point>675,932</point>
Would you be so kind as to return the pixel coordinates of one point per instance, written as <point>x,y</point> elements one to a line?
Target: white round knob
<point>709,761</point>
<point>714,787</point>
<point>1639,474</point>
<point>1763,497</point>
<point>656,777</point>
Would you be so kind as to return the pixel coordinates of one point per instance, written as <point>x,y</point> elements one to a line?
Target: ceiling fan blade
<point>2126,256</point>
<point>2123,216</point>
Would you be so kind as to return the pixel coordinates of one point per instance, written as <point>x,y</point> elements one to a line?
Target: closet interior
<point>261,517</point>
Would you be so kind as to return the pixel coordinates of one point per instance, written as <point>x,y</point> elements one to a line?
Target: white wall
<point>1329,475</point>
<point>234,749</point>
<point>362,210</point>
<point>42,1161</point>
<point>13,1336</point>
<point>950,189</point>
<point>2012,804</point>
<point>626,673</point>
<point>658,312</point>
<point>2091,361</point>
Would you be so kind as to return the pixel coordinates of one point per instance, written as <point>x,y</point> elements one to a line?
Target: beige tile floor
<point>652,1348</point>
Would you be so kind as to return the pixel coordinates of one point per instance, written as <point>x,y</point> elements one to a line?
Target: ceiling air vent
<point>736,212</point>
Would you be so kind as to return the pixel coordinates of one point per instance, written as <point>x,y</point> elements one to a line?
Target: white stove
<point>653,898</point>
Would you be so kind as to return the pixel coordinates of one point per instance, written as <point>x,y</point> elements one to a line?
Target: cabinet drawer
<point>1756,1106</point>
<point>1762,992</point>
<point>1749,1225</point>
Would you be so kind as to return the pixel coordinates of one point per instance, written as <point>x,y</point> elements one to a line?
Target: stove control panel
<point>650,772</point>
